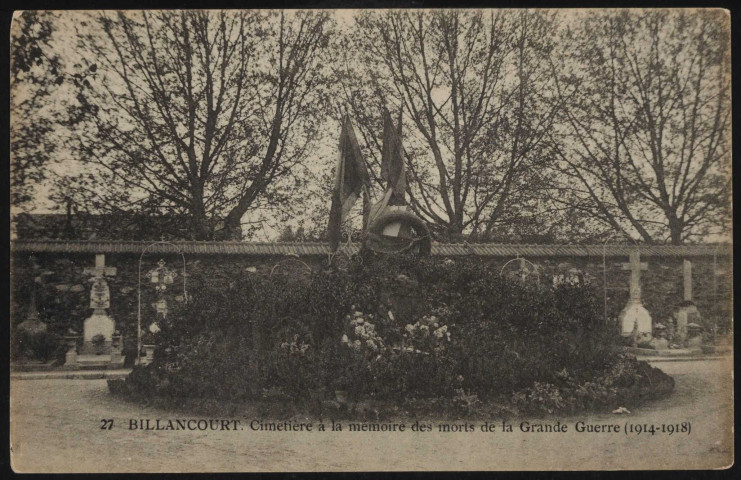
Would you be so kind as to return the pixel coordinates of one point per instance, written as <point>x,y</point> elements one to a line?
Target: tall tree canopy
<point>471,90</point>
<point>644,141</point>
<point>517,125</point>
<point>35,76</point>
<point>205,113</point>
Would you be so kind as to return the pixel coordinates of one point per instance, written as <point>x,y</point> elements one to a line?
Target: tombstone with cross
<point>161,276</point>
<point>687,312</point>
<point>99,323</point>
<point>634,318</point>
<point>101,346</point>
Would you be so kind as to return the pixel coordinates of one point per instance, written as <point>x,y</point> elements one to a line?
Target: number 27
<point>106,424</point>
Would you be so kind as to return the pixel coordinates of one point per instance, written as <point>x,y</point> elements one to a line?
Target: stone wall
<point>63,298</point>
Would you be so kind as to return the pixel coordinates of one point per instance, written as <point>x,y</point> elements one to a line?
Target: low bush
<point>396,330</point>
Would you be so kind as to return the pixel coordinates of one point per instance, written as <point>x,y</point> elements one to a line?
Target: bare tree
<point>207,114</point>
<point>644,141</point>
<point>470,90</point>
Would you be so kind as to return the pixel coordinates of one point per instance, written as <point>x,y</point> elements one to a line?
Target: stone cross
<point>687,270</point>
<point>99,293</point>
<point>635,266</point>
<point>100,270</point>
<point>99,323</point>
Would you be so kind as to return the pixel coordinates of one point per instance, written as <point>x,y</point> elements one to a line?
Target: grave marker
<point>99,323</point>
<point>635,316</point>
<point>687,312</point>
<point>107,354</point>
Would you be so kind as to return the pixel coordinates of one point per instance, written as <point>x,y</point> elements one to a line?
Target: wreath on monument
<point>414,235</point>
<point>389,226</point>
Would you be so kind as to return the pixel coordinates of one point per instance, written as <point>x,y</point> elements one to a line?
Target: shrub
<point>395,329</point>
<point>42,346</point>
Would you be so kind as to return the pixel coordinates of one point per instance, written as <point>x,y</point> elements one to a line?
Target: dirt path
<point>56,427</point>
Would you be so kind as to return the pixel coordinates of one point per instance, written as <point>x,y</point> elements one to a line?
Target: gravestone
<point>31,334</point>
<point>687,312</point>
<point>99,323</point>
<point>32,324</point>
<point>107,352</point>
<point>634,318</point>
<point>161,276</point>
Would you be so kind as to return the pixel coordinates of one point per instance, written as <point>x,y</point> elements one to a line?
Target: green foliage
<point>473,337</point>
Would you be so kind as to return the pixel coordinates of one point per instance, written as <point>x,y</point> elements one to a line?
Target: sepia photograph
<point>370,240</point>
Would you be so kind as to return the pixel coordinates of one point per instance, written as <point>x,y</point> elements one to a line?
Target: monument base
<point>634,314</point>
<point>686,314</point>
<point>99,362</point>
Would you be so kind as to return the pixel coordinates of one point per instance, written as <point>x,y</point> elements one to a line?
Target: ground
<point>56,427</point>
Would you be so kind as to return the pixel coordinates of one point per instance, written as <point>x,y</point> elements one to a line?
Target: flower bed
<point>399,332</point>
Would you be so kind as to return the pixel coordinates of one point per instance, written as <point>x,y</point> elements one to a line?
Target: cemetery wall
<point>63,298</point>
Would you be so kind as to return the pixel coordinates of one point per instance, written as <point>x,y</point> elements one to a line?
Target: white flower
<point>345,339</point>
<point>358,330</point>
<point>358,314</point>
<point>425,328</point>
<point>371,344</point>
<point>409,328</point>
<point>439,333</point>
<point>391,315</point>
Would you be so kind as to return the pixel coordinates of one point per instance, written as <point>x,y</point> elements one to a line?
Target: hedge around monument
<point>491,344</point>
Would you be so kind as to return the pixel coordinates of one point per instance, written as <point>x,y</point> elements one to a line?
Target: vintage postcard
<point>371,240</point>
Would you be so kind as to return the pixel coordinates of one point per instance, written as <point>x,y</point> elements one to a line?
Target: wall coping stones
<point>322,249</point>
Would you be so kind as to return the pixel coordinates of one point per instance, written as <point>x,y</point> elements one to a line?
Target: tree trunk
<point>199,223</point>
<point>232,230</point>
<point>675,230</point>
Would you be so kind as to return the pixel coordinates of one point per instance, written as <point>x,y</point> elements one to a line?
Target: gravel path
<point>56,427</point>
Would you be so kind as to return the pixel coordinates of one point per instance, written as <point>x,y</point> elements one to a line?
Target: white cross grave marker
<point>688,312</point>
<point>100,299</point>
<point>635,266</point>
<point>634,315</point>
<point>100,269</point>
